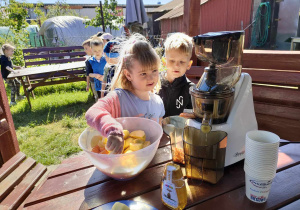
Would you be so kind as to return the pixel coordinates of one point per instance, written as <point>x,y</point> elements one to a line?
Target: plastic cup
<point>260,174</point>
<point>173,126</point>
<point>259,137</point>
<point>257,190</point>
<point>261,154</point>
<point>251,159</point>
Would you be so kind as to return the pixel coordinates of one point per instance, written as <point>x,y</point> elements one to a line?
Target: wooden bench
<point>53,55</point>
<point>18,174</point>
<point>276,89</point>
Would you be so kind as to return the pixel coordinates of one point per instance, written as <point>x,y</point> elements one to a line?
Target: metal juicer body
<point>241,119</point>
<point>223,99</point>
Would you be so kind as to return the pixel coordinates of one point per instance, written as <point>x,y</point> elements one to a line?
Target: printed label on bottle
<point>169,194</point>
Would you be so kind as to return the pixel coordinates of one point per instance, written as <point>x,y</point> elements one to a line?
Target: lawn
<point>49,132</point>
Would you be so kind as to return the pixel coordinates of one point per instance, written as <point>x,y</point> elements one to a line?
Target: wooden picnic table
<point>67,72</point>
<point>77,184</point>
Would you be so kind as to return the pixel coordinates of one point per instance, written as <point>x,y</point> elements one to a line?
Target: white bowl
<point>124,166</point>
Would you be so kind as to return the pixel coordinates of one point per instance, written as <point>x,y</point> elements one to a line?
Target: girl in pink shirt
<point>132,94</point>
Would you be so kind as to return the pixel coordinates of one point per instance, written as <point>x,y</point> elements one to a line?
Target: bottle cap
<point>175,170</point>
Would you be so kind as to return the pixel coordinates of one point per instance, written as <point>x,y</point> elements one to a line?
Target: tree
<point>60,8</point>
<point>110,16</point>
<point>13,15</point>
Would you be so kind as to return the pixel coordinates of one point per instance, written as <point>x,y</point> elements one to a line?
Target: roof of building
<point>96,2</point>
<point>176,12</point>
<point>169,6</point>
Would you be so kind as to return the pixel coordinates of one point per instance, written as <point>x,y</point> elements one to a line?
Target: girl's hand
<point>87,88</point>
<point>115,144</point>
<point>18,67</point>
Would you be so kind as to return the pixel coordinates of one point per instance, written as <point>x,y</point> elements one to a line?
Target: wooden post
<point>8,141</point>
<point>101,10</point>
<point>191,19</point>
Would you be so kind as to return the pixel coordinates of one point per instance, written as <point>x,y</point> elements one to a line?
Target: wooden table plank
<point>82,161</point>
<point>284,190</point>
<point>14,178</point>
<point>146,187</point>
<point>11,164</point>
<point>70,165</point>
<point>234,178</point>
<point>288,156</point>
<point>47,69</point>
<point>14,199</point>
<point>291,206</point>
<point>105,192</point>
<point>197,191</point>
<point>85,178</point>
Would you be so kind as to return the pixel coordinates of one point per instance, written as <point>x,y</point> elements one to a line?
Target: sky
<point>146,2</point>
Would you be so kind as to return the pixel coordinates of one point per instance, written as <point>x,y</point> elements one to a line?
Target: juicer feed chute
<point>213,95</point>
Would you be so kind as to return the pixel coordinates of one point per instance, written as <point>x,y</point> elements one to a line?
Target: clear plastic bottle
<point>173,189</point>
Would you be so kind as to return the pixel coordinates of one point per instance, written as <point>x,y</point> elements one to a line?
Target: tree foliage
<point>60,8</point>
<point>13,15</point>
<point>110,16</point>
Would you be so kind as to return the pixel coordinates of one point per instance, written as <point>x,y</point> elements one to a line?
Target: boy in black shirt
<point>6,69</point>
<point>174,84</point>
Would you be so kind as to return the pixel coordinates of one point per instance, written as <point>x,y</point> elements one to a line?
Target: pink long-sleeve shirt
<point>122,103</point>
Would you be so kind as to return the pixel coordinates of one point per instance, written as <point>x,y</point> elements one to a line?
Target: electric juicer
<point>222,99</point>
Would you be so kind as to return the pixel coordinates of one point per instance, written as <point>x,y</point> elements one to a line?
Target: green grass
<point>49,132</point>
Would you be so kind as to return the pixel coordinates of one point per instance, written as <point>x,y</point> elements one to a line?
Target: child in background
<point>6,68</point>
<point>95,65</point>
<point>88,50</point>
<point>106,37</point>
<point>132,94</point>
<point>111,52</point>
<point>175,85</point>
<point>99,34</point>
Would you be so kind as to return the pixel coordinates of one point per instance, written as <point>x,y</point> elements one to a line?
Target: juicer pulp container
<point>173,126</point>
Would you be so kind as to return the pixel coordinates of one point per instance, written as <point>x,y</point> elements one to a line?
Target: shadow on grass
<point>26,117</point>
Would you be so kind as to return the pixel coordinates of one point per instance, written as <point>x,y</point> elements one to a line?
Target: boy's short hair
<point>97,41</point>
<point>6,47</point>
<point>87,42</point>
<point>179,41</point>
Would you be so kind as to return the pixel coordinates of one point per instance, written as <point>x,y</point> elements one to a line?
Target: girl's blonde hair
<point>6,47</point>
<point>87,42</point>
<point>136,48</point>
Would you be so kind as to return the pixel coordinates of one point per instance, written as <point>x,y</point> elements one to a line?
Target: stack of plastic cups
<point>261,156</point>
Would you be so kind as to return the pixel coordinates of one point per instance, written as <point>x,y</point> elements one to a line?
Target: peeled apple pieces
<point>120,206</point>
<point>139,134</point>
<point>133,141</point>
